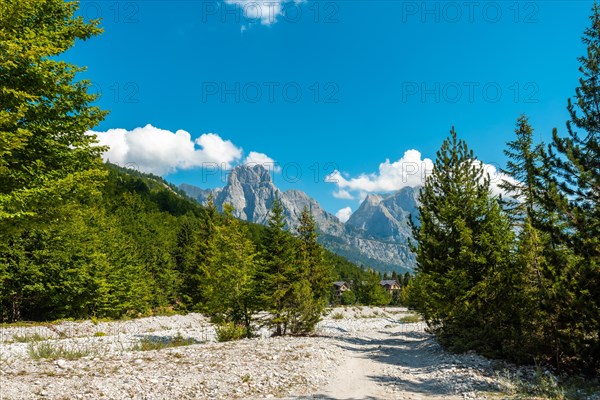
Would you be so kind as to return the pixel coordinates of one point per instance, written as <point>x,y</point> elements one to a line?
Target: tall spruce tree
<point>532,275</point>
<point>462,246</point>
<point>278,269</point>
<point>525,166</point>
<point>231,273</point>
<point>574,199</point>
<point>310,292</point>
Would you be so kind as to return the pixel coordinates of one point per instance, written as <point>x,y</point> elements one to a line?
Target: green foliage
<point>463,241</point>
<point>49,351</point>
<point>311,290</point>
<point>229,331</point>
<point>410,319</point>
<point>533,296</point>
<point>573,219</point>
<point>46,159</point>
<point>348,298</point>
<point>231,270</point>
<point>278,269</point>
<point>337,315</point>
<point>369,291</point>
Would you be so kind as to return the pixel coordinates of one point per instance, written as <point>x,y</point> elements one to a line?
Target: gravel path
<point>359,353</point>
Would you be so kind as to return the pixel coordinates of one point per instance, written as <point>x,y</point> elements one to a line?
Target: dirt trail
<point>401,362</point>
<point>354,378</point>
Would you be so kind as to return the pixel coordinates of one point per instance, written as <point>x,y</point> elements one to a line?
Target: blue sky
<point>320,86</point>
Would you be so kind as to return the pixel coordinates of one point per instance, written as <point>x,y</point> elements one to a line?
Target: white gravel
<point>359,353</point>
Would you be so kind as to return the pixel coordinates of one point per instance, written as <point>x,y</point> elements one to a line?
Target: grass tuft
<point>53,351</point>
<point>337,315</point>
<point>36,337</point>
<point>148,343</point>
<point>410,319</point>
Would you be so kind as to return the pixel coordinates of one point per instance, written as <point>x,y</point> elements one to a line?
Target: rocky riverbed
<point>358,353</point>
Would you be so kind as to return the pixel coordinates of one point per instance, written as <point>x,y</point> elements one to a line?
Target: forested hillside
<point>79,238</point>
<point>129,250</point>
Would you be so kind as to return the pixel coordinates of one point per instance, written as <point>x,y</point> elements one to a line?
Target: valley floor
<point>359,353</point>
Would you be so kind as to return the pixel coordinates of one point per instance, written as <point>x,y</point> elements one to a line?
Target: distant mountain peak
<point>250,174</point>
<point>376,234</point>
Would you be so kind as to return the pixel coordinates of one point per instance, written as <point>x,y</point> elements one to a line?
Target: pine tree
<point>278,270</point>
<point>311,290</point>
<point>312,260</point>
<point>231,273</point>
<point>525,166</point>
<point>573,201</point>
<point>462,246</point>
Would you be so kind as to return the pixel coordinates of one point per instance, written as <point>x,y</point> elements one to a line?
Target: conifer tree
<point>231,272</point>
<point>525,166</point>
<point>462,246</point>
<point>311,290</point>
<point>278,270</point>
<point>312,261</point>
<point>574,202</point>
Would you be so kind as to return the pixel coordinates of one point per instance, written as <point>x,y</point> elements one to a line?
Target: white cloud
<point>410,170</point>
<point>264,11</point>
<point>160,151</point>
<point>343,194</point>
<point>255,158</point>
<point>344,214</point>
<point>496,178</point>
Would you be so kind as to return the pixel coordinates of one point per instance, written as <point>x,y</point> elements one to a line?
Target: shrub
<point>229,331</point>
<point>348,298</point>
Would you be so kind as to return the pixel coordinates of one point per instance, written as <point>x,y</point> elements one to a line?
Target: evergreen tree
<point>231,273</point>
<point>311,257</point>
<point>525,166</point>
<point>278,270</point>
<point>573,202</point>
<point>462,246</point>
<point>192,253</point>
<point>310,292</point>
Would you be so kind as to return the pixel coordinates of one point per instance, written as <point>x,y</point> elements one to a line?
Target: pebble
<point>263,367</point>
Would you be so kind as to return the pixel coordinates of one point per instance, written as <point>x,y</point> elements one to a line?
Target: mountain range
<point>376,235</point>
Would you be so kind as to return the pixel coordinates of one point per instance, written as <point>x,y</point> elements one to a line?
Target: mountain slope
<point>377,236</point>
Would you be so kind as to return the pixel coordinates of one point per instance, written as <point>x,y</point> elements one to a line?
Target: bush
<point>348,298</point>
<point>229,331</point>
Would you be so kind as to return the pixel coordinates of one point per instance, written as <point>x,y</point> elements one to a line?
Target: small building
<point>390,285</point>
<point>340,287</point>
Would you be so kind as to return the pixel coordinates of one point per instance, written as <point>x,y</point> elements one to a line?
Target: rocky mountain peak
<point>376,234</point>
<point>250,175</point>
<point>372,200</point>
